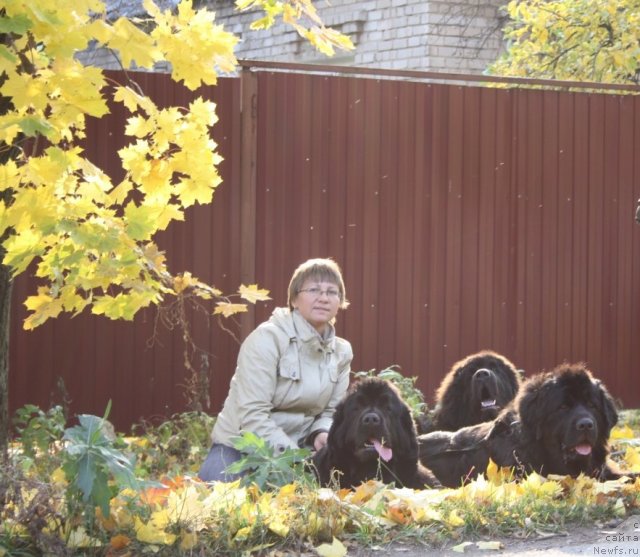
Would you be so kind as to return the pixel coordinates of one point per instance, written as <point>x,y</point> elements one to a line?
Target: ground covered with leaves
<point>88,490</point>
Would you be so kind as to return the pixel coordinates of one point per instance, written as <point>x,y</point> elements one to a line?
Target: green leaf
<point>32,126</point>
<point>92,426</point>
<point>101,494</point>
<point>86,475</point>
<point>7,54</point>
<point>18,24</point>
<point>141,221</point>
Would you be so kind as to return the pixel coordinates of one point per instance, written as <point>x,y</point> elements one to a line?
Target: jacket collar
<point>297,326</point>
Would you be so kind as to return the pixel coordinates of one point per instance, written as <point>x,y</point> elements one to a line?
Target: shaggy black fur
<point>372,436</point>
<point>475,390</point>
<point>456,457</point>
<point>566,416</point>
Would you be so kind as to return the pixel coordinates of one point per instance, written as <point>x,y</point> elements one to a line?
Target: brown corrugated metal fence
<point>464,217</point>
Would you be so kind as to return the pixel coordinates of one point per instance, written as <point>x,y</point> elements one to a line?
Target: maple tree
<point>586,40</point>
<point>89,240</point>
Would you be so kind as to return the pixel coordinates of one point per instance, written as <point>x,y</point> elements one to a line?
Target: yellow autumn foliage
<point>92,241</point>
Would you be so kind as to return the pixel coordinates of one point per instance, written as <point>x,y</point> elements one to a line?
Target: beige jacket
<point>287,383</point>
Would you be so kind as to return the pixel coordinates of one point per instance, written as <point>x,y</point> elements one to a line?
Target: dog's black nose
<point>482,373</point>
<point>371,418</point>
<point>585,424</point>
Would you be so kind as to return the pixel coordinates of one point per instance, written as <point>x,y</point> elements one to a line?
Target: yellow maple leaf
<point>153,531</point>
<point>133,100</point>
<point>120,192</point>
<point>194,32</point>
<point>156,185</point>
<point>203,111</point>
<point>335,549</point>
<point>43,307</point>
<point>492,545</point>
<point>497,475</point>
<point>79,86</point>
<point>454,519</point>
<point>277,526</point>
<point>461,547</point>
<point>537,485</point>
<point>78,537</point>
<point>138,126</point>
<point>184,506</point>
<point>22,248</point>
<point>133,44</point>
<point>184,281</point>
<point>188,540</point>
<point>59,477</point>
<point>191,192</point>
<point>228,309</point>
<point>242,534</point>
<point>632,459</point>
<point>622,432</point>
<point>253,294</point>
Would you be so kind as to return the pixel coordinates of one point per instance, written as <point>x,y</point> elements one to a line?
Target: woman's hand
<point>320,440</point>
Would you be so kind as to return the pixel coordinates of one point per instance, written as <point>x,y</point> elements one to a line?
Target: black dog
<point>565,418</point>
<point>456,457</point>
<point>475,390</point>
<point>372,436</point>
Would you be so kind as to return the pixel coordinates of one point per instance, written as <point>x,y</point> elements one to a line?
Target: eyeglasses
<point>316,292</point>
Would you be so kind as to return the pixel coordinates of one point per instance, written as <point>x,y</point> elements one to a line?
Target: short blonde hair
<point>322,270</point>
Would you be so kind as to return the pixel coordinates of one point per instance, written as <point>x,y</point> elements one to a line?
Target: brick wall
<point>460,36</point>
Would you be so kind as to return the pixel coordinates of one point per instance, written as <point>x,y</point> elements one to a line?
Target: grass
<point>42,513</point>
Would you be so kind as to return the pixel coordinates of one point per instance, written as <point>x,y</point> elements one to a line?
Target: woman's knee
<point>217,461</point>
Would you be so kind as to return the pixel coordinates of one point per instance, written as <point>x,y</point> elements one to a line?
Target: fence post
<point>248,162</point>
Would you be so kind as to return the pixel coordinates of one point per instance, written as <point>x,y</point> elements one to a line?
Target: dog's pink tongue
<point>583,449</point>
<point>385,452</point>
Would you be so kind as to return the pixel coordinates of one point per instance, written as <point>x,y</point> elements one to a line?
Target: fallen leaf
<point>336,549</point>
<point>461,547</point>
<point>119,542</point>
<point>454,519</point>
<point>622,432</point>
<point>494,545</point>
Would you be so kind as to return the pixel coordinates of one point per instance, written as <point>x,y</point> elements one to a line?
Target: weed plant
<point>85,490</point>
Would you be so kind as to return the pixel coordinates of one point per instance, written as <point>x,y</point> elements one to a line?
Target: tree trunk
<point>6,283</point>
<point>5,314</point>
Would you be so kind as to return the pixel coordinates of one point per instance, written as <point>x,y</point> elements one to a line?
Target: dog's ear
<point>531,408</point>
<point>608,406</point>
<point>405,433</point>
<point>338,425</point>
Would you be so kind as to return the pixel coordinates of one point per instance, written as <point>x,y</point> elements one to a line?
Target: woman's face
<point>318,302</point>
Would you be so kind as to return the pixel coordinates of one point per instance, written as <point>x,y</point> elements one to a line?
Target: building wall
<point>460,36</point>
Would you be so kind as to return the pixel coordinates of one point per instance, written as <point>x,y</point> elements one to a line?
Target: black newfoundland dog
<point>558,424</point>
<point>566,416</point>
<point>372,436</point>
<point>475,390</point>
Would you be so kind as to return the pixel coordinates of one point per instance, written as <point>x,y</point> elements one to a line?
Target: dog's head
<point>373,422</point>
<point>483,384</point>
<point>569,415</point>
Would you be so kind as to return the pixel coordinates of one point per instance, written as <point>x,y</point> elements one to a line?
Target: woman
<point>292,371</point>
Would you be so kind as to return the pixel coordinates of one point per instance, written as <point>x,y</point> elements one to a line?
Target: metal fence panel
<point>464,217</point>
